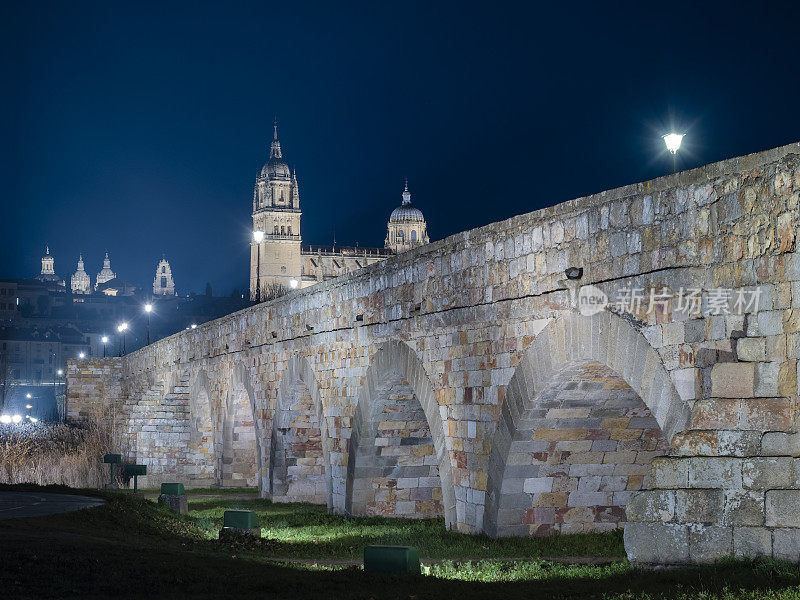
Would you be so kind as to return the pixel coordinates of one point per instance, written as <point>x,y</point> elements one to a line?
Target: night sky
<point>138,128</point>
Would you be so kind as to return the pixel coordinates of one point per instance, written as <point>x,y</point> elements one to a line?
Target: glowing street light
<point>194,326</point>
<point>293,283</point>
<point>258,237</point>
<point>673,143</point>
<point>16,419</point>
<point>29,406</point>
<point>82,355</point>
<point>61,371</point>
<point>28,396</point>
<point>5,419</point>
<point>148,308</point>
<point>122,328</point>
<point>103,339</point>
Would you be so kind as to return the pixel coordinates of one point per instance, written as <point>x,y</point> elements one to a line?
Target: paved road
<point>38,504</point>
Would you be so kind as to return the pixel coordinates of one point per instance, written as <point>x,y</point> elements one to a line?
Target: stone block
<point>698,506</point>
<point>743,508</point>
<point>715,472</point>
<point>178,503</point>
<point>786,544</point>
<point>766,379</point>
<point>732,380</point>
<point>752,542</point>
<point>656,543</point>
<point>708,544</point>
<point>783,508</point>
<point>651,506</point>
<point>667,472</point>
<point>764,473</point>
<point>751,349</point>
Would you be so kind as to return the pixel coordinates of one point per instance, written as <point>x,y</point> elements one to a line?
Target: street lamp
<point>673,143</point>
<point>82,355</point>
<point>194,325</point>
<point>61,371</point>
<point>148,308</point>
<point>258,237</point>
<point>293,283</point>
<point>28,396</point>
<point>122,328</point>
<point>103,339</point>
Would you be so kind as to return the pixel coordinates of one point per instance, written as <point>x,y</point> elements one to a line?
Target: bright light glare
<point>34,420</point>
<point>60,372</point>
<point>5,419</point>
<point>104,339</point>
<point>148,307</point>
<point>293,283</point>
<point>258,236</point>
<point>82,355</point>
<point>673,141</point>
<point>122,327</point>
<point>16,419</point>
<point>29,406</point>
<point>27,395</point>
<point>194,326</point>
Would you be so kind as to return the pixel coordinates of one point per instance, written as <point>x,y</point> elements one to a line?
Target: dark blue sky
<point>139,127</point>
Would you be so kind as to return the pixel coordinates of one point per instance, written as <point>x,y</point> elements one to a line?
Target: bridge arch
<point>398,461</point>
<point>203,430</point>
<point>241,455</point>
<point>299,461</point>
<point>590,403</point>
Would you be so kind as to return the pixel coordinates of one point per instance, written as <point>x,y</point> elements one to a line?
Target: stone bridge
<point>624,359</point>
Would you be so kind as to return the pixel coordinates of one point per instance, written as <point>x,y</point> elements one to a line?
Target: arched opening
<point>413,235</point>
<point>398,464</point>
<point>588,408</point>
<point>240,457</point>
<point>298,457</point>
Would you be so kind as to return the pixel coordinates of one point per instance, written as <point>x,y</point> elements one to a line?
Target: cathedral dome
<point>405,213</point>
<point>275,168</point>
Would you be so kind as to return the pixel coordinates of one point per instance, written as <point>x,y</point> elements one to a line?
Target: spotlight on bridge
<point>5,419</point>
<point>574,272</point>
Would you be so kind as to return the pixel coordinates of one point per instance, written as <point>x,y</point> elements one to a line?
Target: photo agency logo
<point>694,302</point>
<point>591,300</point>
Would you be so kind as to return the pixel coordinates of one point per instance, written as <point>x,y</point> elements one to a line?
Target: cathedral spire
<point>275,147</point>
<point>406,195</point>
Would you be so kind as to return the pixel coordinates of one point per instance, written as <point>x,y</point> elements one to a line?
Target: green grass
<point>301,530</point>
<point>132,547</point>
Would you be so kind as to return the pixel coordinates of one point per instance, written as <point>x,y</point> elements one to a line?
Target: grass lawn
<point>133,548</point>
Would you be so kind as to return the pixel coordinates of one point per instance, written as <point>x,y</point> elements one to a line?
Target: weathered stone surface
<point>783,508</point>
<point>752,542</point>
<point>732,380</point>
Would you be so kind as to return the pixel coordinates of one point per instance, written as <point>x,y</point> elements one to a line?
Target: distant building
<point>33,355</point>
<point>81,283</point>
<point>48,274</point>
<point>105,274</point>
<point>406,228</point>
<point>163,284</point>
<point>280,261</point>
<point>8,300</point>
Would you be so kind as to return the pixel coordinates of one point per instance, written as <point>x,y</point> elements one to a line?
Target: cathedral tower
<point>406,228</point>
<point>163,284</point>
<point>81,284</point>
<point>276,260</point>
<point>105,274</point>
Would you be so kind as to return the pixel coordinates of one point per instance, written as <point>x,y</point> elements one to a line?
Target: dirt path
<point>15,505</point>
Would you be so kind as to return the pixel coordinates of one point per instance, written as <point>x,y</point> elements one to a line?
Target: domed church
<point>279,260</point>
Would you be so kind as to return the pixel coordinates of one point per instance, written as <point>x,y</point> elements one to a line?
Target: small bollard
<point>112,459</point>
<point>134,471</point>
<point>173,496</point>
<point>391,559</point>
<point>239,523</point>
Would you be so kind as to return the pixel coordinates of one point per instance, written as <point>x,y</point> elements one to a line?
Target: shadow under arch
<point>299,387</point>
<point>394,362</point>
<point>203,430</point>
<point>603,338</point>
<point>241,446</point>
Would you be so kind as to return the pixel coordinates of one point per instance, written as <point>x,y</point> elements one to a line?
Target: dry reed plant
<point>54,454</point>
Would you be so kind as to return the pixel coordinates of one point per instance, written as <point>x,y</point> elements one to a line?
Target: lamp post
<point>258,237</point>
<point>293,283</point>
<point>104,339</point>
<point>148,308</point>
<point>673,143</point>
<point>122,328</point>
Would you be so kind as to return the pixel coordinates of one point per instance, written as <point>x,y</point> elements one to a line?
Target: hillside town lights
<point>258,237</point>
<point>673,142</point>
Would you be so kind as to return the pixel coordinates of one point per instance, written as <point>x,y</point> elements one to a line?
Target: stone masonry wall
<point>479,324</point>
